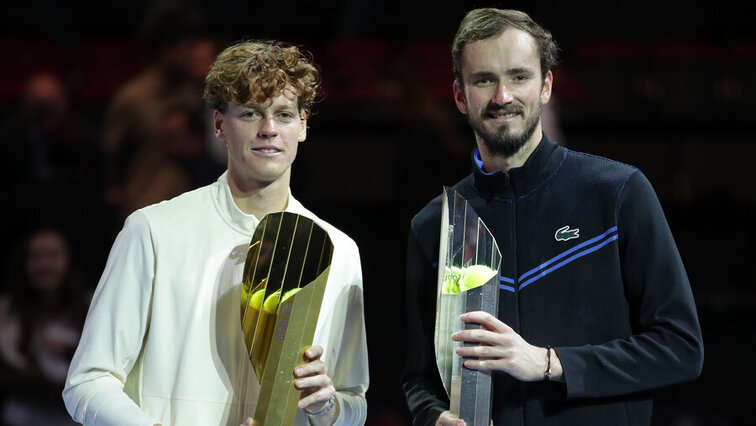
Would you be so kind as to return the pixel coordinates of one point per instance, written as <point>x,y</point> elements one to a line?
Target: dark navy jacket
<point>609,291</point>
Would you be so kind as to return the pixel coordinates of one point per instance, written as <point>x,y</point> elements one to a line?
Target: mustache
<point>503,109</point>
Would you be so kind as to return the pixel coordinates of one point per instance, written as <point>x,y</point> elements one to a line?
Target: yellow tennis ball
<point>475,276</point>
<point>287,295</point>
<point>244,296</point>
<point>271,302</point>
<point>257,299</point>
<point>290,293</point>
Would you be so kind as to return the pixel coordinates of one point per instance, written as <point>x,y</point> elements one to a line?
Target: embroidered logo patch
<point>565,233</point>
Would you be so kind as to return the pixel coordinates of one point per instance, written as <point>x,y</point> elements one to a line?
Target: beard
<point>505,142</point>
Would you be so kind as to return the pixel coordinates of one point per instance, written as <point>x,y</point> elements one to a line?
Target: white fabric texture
<point>162,342</point>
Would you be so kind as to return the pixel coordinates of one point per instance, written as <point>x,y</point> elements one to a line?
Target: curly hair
<point>260,70</point>
<point>480,24</point>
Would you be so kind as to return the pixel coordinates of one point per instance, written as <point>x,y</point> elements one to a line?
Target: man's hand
<point>502,349</point>
<point>448,419</point>
<point>314,382</point>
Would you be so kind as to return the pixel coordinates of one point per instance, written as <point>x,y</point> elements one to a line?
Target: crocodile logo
<point>565,233</point>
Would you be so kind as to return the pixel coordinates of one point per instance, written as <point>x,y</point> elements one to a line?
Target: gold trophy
<point>285,274</point>
<point>468,280</point>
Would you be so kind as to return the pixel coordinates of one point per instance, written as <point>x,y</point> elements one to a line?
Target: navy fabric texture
<point>611,295</point>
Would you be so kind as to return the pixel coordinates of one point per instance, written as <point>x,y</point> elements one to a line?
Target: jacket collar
<point>518,181</point>
<point>234,216</point>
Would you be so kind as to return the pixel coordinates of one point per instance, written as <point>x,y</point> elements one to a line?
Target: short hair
<point>256,70</point>
<point>480,24</point>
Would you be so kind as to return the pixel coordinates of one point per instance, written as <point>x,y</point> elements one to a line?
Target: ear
<point>459,98</point>
<point>218,124</point>
<point>302,127</point>
<point>546,88</point>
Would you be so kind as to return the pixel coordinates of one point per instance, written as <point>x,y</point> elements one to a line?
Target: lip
<point>266,151</point>
<point>507,117</point>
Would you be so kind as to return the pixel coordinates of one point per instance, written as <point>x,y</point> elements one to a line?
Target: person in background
<point>41,316</point>
<point>135,119</point>
<point>49,158</point>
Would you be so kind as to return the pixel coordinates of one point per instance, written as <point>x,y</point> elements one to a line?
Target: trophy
<point>285,274</point>
<point>468,280</point>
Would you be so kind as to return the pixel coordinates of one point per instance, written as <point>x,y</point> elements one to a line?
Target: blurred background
<point>100,114</point>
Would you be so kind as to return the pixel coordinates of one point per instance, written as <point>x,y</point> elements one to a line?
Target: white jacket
<point>162,343</point>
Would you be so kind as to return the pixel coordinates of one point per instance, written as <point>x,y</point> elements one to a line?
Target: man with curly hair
<point>162,342</point>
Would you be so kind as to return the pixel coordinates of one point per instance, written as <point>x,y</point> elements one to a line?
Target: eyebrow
<point>522,70</point>
<point>482,74</point>
<point>256,106</point>
<point>510,72</point>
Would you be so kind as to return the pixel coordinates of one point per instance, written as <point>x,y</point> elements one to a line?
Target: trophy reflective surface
<point>285,274</point>
<point>468,280</point>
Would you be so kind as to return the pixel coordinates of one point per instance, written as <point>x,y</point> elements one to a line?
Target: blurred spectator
<point>41,316</point>
<point>49,162</point>
<point>184,139</point>
<point>134,121</point>
<point>45,141</point>
<point>179,163</point>
<point>436,149</point>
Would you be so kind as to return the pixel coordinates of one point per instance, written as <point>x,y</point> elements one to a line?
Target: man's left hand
<point>313,380</point>
<point>500,348</point>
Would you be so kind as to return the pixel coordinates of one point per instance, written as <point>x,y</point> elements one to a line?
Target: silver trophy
<point>468,280</point>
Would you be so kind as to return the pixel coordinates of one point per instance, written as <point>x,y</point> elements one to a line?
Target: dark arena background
<point>668,87</point>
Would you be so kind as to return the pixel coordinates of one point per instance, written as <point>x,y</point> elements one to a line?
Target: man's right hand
<point>448,419</point>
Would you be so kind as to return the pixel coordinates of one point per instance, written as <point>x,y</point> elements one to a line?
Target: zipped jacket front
<point>589,267</point>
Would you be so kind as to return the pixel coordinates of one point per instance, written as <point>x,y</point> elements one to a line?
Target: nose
<point>267,128</point>
<point>502,95</point>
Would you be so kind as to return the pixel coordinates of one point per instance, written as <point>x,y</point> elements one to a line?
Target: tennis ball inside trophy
<point>255,302</point>
<point>250,313</point>
<point>244,297</point>
<point>271,302</point>
<point>287,295</point>
<point>475,276</point>
<point>451,280</point>
<point>257,299</point>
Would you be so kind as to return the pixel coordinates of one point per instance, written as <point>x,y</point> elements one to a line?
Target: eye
<point>521,77</point>
<point>251,115</point>
<point>286,116</point>
<point>483,81</point>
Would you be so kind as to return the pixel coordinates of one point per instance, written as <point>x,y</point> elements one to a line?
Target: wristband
<point>547,373</point>
<point>331,403</point>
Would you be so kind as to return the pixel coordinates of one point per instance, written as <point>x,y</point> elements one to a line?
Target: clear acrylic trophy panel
<point>468,280</point>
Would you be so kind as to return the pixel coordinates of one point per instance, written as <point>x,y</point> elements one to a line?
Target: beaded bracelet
<point>547,373</point>
<point>331,403</point>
